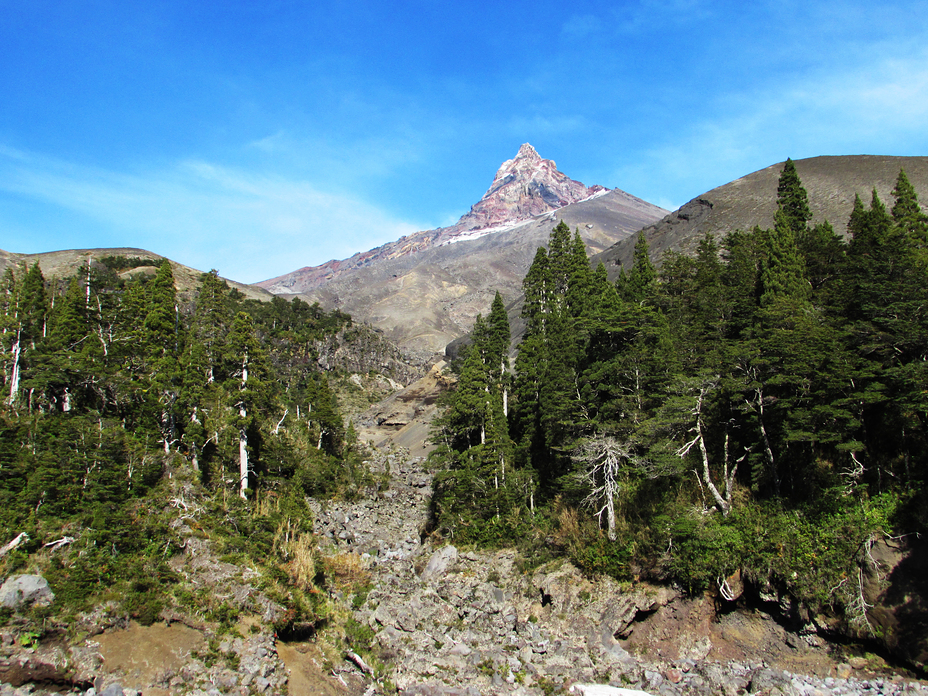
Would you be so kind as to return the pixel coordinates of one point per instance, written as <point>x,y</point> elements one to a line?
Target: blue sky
<point>257,138</point>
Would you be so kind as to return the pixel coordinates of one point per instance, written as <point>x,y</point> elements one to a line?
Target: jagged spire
<point>524,186</point>
<point>528,152</point>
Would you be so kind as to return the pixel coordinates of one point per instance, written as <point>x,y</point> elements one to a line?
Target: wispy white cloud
<point>879,106</point>
<point>249,226</point>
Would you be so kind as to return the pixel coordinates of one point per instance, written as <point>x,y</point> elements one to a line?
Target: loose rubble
<point>456,622</point>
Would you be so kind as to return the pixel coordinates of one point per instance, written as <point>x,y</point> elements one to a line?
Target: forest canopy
<point>760,406</point>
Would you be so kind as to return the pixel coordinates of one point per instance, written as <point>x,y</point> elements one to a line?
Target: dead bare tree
<point>602,459</point>
<point>697,431</point>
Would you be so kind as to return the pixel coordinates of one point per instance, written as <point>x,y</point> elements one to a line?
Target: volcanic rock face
<point>425,289</point>
<point>524,187</point>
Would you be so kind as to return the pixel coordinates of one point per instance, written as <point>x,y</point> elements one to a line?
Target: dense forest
<point>123,401</point>
<point>758,407</point>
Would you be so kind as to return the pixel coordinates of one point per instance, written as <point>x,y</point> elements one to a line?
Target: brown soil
<point>307,676</point>
<point>144,653</point>
<point>691,629</point>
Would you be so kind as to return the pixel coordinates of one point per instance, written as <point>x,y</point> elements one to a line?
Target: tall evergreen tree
<point>907,213</point>
<point>162,348</point>
<point>782,273</point>
<point>792,199</point>
<point>641,277</point>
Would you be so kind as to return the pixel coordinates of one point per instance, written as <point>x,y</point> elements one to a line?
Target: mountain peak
<point>528,152</point>
<point>524,186</point>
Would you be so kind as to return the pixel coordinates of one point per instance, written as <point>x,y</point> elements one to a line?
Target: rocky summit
<point>524,187</point>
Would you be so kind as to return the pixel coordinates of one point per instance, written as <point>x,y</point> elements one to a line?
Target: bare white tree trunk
<point>502,378</point>
<point>724,503</point>
<point>87,289</point>
<point>243,457</point>
<point>14,379</point>
<point>13,544</point>
<point>243,434</point>
<point>194,459</point>
<point>768,451</point>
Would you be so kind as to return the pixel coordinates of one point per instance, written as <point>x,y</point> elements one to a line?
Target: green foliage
<point>121,263</point>
<point>770,388</point>
<point>107,384</point>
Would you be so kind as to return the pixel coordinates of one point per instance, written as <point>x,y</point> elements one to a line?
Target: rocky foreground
<point>443,621</point>
<point>449,621</point>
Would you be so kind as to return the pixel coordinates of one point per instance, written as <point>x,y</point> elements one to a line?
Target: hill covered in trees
<point>124,405</point>
<point>748,419</point>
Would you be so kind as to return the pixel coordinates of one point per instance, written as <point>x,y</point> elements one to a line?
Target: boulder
<point>605,690</point>
<point>895,584</point>
<point>440,561</point>
<point>25,590</point>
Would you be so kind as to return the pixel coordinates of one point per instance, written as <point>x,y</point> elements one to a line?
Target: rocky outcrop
<point>894,585</point>
<point>359,349</point>
<point>19,591</point>
<point>524,187</point>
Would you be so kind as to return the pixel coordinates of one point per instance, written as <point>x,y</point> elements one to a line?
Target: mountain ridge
<point>524,187</point>
<point>64,262</point>
<point>424,290</point>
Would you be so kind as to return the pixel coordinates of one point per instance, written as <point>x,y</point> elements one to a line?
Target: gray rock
<point>114,689</point>
<point>460,649</point>
<point>20,590</point>
<point>440,561</point>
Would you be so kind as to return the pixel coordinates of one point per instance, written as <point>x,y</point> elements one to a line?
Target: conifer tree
<point>203,362</point>
<point>536,286</point>
<point>162,348</point>
<point>824,253</point>
<point>639,282</point>
<point>792,199</point>
<point>26,314</point>
<point>561,262</point>
<point>782,273</point>
<point>60,364</point>
<point>907,213</point>
<point>498,340</point>
<point>580,283</point>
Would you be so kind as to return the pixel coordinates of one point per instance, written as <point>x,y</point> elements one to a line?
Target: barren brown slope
<point>424,300</point>
<point>62,264</point>
<point>831,182</point>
